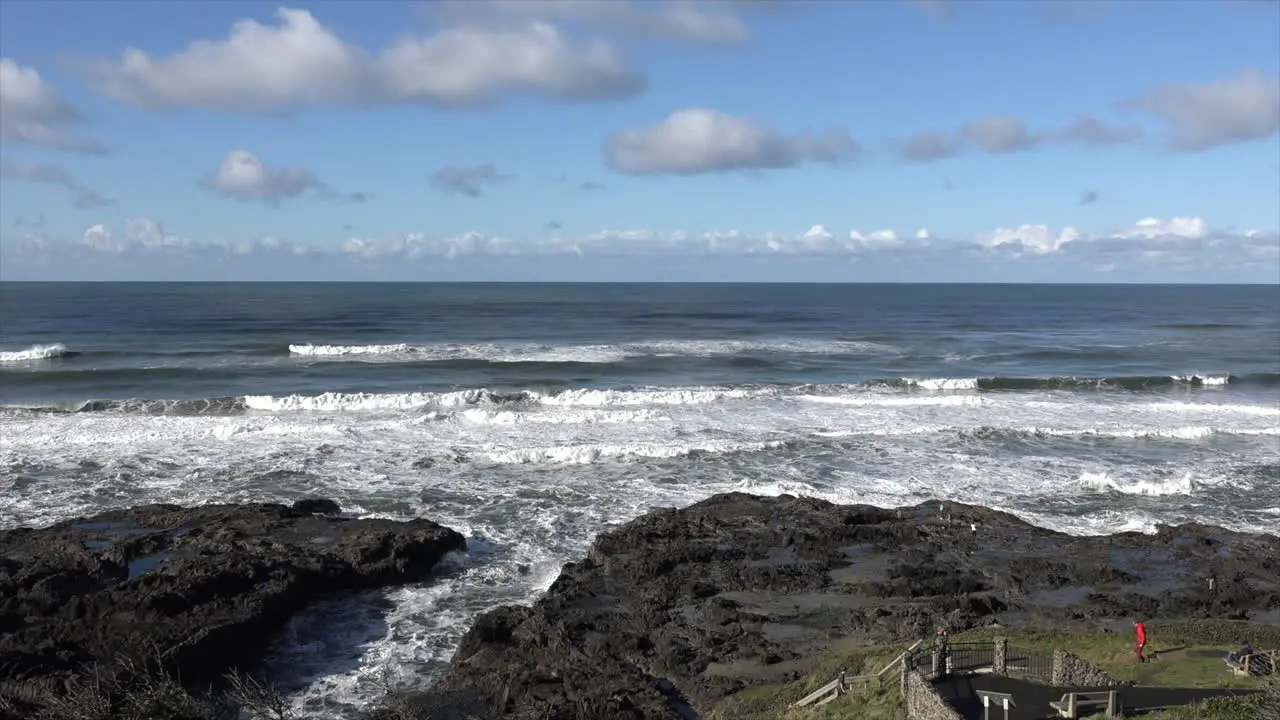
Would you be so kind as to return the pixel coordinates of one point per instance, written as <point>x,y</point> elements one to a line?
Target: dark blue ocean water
<point>220,340</point>
<point>533,416</point>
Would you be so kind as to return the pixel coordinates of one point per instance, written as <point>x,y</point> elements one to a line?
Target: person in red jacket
<point>1141,631</point>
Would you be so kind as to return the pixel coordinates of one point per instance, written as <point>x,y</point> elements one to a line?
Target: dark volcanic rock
<point>196,589</point>
<point>679,608</point>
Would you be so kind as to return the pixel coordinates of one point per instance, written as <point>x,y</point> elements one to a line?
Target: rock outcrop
<point>679,608</point>
<point>187,591</point>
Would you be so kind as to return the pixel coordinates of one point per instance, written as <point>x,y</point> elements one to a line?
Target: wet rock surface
<point>679,608</point>
<point>192,590</point>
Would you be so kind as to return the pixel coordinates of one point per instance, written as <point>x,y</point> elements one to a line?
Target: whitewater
<point>530,418</point>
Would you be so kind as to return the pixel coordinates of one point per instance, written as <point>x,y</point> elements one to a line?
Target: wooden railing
<point>842,684</point>
<point>1257,663</point>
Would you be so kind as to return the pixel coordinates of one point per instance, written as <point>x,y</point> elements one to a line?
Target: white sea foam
<point>870,399</point>
<point>531,478</point>
<point>1178,485</point>
<point>944,383</point>
<point>1206,380</point>
<point>511,417</point>
<point>675,396</point>
<point>586,454</point>
<point>534,352</point>
<point>335,401</point>
<point>340,350</point>
<point>35,352</point>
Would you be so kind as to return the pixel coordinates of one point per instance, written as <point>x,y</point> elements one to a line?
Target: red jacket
<point>1142,633</point>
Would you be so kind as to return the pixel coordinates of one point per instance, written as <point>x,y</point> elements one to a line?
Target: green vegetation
<point>1172,645</point>
<point>1251,707</point>
<point>772,701</point>
<point>1175,666</point>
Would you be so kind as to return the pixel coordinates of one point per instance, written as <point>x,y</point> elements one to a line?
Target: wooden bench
<point>1072,703</point>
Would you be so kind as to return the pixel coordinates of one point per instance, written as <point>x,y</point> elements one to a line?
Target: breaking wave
<point>1173,485</point>
<point>604,354</point>
<point>886,394</point>
<point>36,352</point>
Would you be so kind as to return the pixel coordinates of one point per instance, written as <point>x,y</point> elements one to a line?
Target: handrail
<point>838,685</point>
<point>816,694</point>
<point>901,656</point>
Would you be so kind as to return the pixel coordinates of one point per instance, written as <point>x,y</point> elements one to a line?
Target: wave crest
<point>36,352</point>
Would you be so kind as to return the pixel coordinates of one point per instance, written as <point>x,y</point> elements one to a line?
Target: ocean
<point>532,416</point>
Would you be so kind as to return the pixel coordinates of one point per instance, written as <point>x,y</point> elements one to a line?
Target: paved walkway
<point>1032,699</point>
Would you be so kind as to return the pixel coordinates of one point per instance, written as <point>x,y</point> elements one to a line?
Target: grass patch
<point>1250,707</point>
<point>883,703</point>
<point>1173,643</point>
<point>770,702</point>
<point>1111,651</point>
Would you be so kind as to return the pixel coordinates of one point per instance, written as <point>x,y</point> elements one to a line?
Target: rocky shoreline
<point>98,607</point>
<point>668,615</point>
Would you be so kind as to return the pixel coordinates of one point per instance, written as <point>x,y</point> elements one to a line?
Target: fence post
<point>1113,705</point>
<point>902,674</point>
<point>999,655</point>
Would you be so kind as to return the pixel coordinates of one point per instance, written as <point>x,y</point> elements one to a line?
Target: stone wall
<point>1000,655</point>
<point>1069,670</point>
<point>923,703</point>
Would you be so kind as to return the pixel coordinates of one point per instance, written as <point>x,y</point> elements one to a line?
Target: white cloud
<point>468,181</point>
<point>139,234</point>
<point>1000,134</point>
<point>1241,108</point>
<point>1176,249</point>
<point>242,176</point>
<point>698,140</point>
<point>85,198</point>
<point>31,112</point>
<point>1038,239</point>
<point>1179,227</point>
<point>682,20</point>
<point>883,239</point>
<point>1088,130</point>
<point>146,236</point>
<point>299,63</point>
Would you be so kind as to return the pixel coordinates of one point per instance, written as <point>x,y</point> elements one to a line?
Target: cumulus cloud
<point>929,146</point>
<point>468,181</point>
<point>242,176</point>
<point>1174,249</point>
<point>1241,108</point>
<point>31,112</point>
<point>84,197</point>
<point>299,63</point>
<point>681,20</point>
<point>1001,134</point>
<point>1088,130</point>
<point>143,237</point>
<point>699,140</point>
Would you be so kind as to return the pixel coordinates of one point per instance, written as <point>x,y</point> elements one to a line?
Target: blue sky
<point>586,139</point>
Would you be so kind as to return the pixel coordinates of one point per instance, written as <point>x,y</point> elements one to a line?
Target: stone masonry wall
<point>923,703</point>
<point>1069,670</point>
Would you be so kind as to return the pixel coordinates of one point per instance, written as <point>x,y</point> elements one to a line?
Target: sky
<point>615,140</point>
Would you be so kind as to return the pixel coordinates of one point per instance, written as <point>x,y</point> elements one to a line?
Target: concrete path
<point>1032,699</point>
